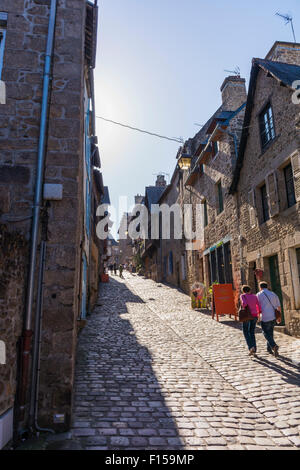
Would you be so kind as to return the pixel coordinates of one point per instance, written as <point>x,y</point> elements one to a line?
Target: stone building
<point>149,249</point>
<point>114,251</point>
<point>267,179</point>
<point>125,242</point>
<point>215,256</point>
<point>171,254</point>
<point>208,250</point>
<point>50,183</point>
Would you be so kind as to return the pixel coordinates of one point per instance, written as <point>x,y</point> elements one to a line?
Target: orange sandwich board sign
<point>223,301</point>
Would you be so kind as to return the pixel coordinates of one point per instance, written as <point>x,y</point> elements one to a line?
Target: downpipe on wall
<point>27,332</point>
<point>37,337</point>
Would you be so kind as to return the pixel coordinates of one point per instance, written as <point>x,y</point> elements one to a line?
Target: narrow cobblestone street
<point>154,374</point>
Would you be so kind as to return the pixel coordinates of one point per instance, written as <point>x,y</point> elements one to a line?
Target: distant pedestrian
<point>115,269</point>
<point>121,270</point>
<point>268,302</point>
<point>250,300</point>
<point>111,268</point>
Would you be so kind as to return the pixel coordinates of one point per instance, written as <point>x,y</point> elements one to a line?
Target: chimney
<point>138,199</point>
<point>160,181</point>
<point>287,52</point>
<point>234,93</point>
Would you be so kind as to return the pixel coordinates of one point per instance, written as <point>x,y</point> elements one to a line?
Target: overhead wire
<point>180,141</point>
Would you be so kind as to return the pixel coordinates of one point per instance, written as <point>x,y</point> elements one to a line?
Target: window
<point>208,268</point>
<point>3,26</point>
<point>213,264</point>
<point>205,214</point>
<point>264,202</point>
<point>266,124</point>
<point>221,264</point>
<point>221,270</point>
<point>228,263</point>
<point>215,148</point>
<point>289,185</point>
<point>220,198</point>
<point>170,262</point>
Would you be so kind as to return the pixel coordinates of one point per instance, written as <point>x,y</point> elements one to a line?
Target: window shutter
<point>296,172</point>
<point>252,208</point>
<point>271,183</point>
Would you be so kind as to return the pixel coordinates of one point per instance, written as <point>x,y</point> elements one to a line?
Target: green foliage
<point>210,290</point>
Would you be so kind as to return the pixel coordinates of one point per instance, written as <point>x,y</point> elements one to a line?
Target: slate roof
<point>106,198</point>
<point>153,194</point>
<point>285,74</point>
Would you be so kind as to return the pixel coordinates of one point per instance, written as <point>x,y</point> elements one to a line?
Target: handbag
<point>245,314</point>
<point>277,312</point>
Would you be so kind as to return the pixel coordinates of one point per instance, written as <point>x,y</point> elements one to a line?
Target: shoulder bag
<point>245,314</point>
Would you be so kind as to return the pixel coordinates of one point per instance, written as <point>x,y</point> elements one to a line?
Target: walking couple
<point>264,303</point>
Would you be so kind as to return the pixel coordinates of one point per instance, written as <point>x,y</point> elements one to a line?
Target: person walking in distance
<point>121,267</point>
<point>268,302</point>
<point>250,300</point>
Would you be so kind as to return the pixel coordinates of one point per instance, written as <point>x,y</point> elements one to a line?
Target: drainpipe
<point>27,333</point>
<point>36,350</point>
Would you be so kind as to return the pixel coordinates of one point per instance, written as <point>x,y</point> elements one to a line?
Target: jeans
<point>249,333</point>
<point>268,331</point>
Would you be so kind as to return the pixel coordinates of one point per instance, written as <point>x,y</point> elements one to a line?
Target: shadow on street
<point>117,392</point>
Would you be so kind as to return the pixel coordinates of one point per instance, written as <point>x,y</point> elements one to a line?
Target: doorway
<point>275,282</point>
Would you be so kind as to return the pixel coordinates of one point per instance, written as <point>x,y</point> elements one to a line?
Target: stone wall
<point>13,270</point>
<point>178,277</point>
<point>224,225</point>
<point>20,120</point>
<point>281,234</point>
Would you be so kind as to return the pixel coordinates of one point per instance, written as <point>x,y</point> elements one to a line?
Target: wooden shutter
<point>296,172</point>
<point>252,208</point>
<point>272,191</point>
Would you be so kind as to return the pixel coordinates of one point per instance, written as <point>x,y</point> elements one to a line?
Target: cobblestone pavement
<point>154,374</point>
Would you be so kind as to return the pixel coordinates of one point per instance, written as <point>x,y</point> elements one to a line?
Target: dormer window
<point>266,125</point>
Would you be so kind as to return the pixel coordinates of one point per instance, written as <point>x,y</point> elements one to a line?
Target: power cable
<point>180,141</point>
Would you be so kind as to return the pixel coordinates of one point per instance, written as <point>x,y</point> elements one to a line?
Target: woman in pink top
<point>249,326</point>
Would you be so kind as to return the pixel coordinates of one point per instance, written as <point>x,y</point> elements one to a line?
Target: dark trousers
<point>249,333</point>
<point>268,331</point>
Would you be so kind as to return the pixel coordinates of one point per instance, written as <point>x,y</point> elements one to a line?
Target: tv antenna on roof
<point>236,71</point>
<point>288,19</point>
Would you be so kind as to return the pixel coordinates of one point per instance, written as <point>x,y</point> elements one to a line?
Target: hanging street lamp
<point>184,161</point>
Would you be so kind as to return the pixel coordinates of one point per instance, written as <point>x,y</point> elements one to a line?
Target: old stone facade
<point>171,255</point>
<point>268,183</point>
<point>245,185</point>
<point>13,270</point>
<point>150,251</point>
<point>71,261</point>
<point>216,256</point>
<point>213,255</point>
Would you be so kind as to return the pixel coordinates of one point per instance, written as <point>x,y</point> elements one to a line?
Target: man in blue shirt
<point>268,302</point>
